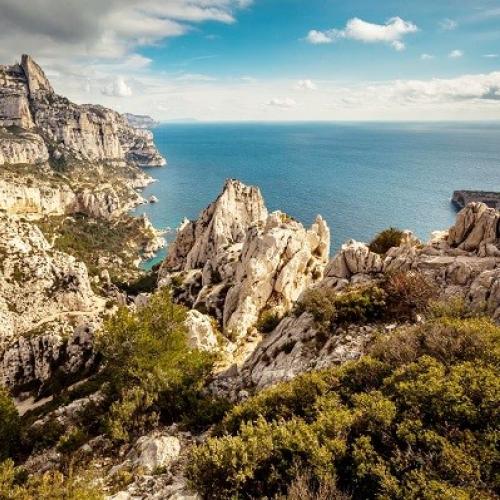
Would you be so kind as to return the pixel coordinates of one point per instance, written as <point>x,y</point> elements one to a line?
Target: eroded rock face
<point>238,262</point>
<point>477,229</point>
<point>44,294</point>
<point>39,128</point>
<point>201,331</point>
<point>87,132</point>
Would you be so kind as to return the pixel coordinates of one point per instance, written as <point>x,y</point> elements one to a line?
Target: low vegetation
<point>416,418</point>
<point>9,425</point>
<point>151,373</point>
<point>117,243</point>
<point>354,305</point>
<point>16,485</point>
<point>385,240</point>
<point>400,296</point>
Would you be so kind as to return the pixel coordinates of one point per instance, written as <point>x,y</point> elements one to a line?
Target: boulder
<point>153,452</point>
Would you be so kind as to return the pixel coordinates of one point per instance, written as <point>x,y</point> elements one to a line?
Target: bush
<point>48,486</point>
<point>360,305</point>
<point>405,422</point>
<point>408,293</point>
<point>320,302</point>
<point>150,371</point>
<point>268,321</point>
<point>354,305</point>
<point>9,425</point>
<point>385,240</point>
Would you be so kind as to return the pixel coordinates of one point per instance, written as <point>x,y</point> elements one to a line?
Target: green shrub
<point>360,305</point>
<point>150,371</point>
<point>385,240</point>
<point>72,440</point>
<point>320,302</point>
<point>416,421</point>
<point>14,485</point>
<point>9,425</point>
<point>268,321</point>
<point>355,305</point>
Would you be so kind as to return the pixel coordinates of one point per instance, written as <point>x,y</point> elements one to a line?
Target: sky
<point>266,60</point>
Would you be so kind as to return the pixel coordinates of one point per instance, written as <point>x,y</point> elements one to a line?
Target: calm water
<point>361,177</point>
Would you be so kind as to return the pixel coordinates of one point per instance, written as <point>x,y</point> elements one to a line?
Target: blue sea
<point>361,178</point>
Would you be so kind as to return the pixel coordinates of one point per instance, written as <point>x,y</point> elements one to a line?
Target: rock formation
<point>44,295</point>
<point>462,198</point>
<point>85,157</point>
<point>463,262</point>
<point>82,132</point>
<point>237,262</point>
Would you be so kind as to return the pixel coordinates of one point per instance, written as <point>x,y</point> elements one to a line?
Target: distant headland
<point>461,198</point>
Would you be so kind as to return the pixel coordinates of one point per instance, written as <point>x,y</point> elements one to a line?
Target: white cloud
<point>287,102</point>
<point>455,54</point>
<point>61,29</point>
<point>490,56</point>
<point>427,57</point>
<point>305,85</point>
<point>392,32</point>
<point>117,88</point>
<point>448,24</point>
<point>318,37</point>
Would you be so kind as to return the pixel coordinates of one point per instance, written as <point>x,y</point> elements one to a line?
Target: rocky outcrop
<point>462,262</point>
<point>237,262</point>
<point>140,121</point>
<point>44,294</point>
<point>22,148</point>
<point>71,131</point>
<point>61,158</point>
<point>477,229</point>
<point>201,331</point>
<point>462,198</point>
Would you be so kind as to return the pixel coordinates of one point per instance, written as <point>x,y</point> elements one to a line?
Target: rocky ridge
<point>239,263</point>
<point>463,262</point>
<point>48,309</point>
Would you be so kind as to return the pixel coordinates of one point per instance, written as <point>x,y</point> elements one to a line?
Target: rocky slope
<point>47,307</point>
<point>463,262</point>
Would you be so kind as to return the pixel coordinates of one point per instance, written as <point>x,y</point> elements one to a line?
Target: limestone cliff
<point>239,263</point>
<point>82,132</point>
<point>93,152</point>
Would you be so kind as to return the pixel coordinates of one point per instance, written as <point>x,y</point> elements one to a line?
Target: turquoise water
<point>361,178</point>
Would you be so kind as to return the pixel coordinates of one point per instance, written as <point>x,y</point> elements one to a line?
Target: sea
<point>361,177</point>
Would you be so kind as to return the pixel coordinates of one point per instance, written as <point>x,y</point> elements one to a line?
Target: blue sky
<point>268,41</point>
<point>267,59</point>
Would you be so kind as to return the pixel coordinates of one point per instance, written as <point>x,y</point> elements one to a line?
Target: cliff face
<point>82,132</point>
<point>93,152</point>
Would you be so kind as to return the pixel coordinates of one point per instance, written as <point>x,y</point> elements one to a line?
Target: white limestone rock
<point>201,331</point>
<point>151,452</point>
<point>237,261</point>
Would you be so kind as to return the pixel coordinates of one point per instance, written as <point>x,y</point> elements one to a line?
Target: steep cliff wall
<point>70,131</point>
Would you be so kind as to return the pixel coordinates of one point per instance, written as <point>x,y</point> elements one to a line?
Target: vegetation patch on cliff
<point>112,244</point>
